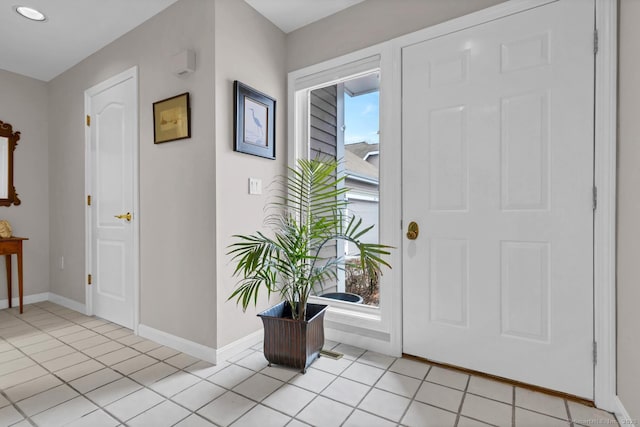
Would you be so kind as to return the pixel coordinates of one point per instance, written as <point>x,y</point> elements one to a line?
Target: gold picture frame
<point>172,119</point>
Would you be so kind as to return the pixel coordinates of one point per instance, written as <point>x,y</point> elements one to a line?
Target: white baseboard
<point>189,347</point>
<point>200,351</point>
<point>68,303</point>
<point>26,299</point>
<point>238,346</point>
<point>358,340</point>
<point>624,419</point>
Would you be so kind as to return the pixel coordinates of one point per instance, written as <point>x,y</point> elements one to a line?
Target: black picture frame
<point>172,119</point>
<point>254,122</point>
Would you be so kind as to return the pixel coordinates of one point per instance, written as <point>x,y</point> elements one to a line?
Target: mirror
<point>8,142</point>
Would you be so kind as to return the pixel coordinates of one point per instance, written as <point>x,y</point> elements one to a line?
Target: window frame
<point>376,328</point>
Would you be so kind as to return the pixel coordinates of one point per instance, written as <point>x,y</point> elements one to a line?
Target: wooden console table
<point>8,247</point>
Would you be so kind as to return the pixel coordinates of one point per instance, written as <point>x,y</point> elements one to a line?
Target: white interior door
<point>498,173</point>
<point>113,141</point>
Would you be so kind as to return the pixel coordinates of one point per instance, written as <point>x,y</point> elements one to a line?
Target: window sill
<point>346,313</point>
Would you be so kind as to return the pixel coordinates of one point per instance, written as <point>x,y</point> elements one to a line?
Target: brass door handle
<point>413,231</point>
<point>126,216</point>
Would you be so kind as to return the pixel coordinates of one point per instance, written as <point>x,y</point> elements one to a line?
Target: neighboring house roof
<point>361,149</point>
<point>355,165</point>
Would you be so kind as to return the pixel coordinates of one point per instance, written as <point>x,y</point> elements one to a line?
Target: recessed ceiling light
<point>31,13</point>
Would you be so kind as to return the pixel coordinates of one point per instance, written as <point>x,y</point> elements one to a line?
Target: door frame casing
<point>131,73</point>
<point>605,171</point>
<point>605,166</point>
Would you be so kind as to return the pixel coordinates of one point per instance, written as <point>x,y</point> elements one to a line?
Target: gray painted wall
<point>628,272</point>
<point>369,23</point>
<point>251,49</point>
<point>23,104</point>
<point>177,179</point>
<point>193,193</point>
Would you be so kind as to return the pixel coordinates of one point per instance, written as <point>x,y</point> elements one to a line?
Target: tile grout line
<point>413,398</point>
<point>36,363</point>
<point>55,358</point>
<point>569,417</point>
<point>64,382</point>
<point>230,389</point>
<point>354,408</point>
<point>286,382</point>
<point>15,341</point>
<point>143,386</point>
<point>371,387</point>
<point>513,406</point>
<point>317,394</point>
<point>537,412</point>
<point>99,407</point>
<point>82,351</point>
<point>235,362</point>
<point>227,389</point>
<point>18,409</point>
<point>464,395</point>
<point>254,351</point>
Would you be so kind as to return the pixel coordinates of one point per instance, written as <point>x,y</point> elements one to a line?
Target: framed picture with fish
<point>254,122</point>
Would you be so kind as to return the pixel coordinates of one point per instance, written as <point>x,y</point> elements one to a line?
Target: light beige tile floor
<point>59,367</point>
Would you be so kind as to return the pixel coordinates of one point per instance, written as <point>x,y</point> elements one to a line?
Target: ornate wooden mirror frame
<point>8,142</point>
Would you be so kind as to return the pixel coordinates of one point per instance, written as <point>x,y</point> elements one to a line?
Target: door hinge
<point>595,41</point>
<point>88,279</point>
<point>88,120</point>
<point>89,200</point>
<point>595,353</point>
<point>595,198</point>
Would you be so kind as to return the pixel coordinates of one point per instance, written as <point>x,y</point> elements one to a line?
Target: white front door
<point>112,107</point>
<point>498,174</point>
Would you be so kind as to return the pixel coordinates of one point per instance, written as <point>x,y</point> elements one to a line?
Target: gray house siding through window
<point>323,139</point>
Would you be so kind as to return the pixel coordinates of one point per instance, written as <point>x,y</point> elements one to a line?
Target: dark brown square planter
<point>293,343</point>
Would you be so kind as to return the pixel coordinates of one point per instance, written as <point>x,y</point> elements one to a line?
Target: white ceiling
<point>74,30</point>
<point>290,15</point>
<point>77,28</point>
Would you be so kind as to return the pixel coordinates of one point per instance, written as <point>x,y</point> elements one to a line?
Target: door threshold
<point>526,386</point>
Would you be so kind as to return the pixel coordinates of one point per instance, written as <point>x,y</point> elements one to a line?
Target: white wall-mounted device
<point>183,63</point>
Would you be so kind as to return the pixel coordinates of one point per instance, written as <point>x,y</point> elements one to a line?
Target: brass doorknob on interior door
<point>126,216</point>
<point>413,231</point>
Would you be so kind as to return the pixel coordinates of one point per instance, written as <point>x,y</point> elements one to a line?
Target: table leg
<point>20,275</point>
<point>7,260</point>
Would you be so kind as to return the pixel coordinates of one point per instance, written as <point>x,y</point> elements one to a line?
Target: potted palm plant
<point>307,214</point>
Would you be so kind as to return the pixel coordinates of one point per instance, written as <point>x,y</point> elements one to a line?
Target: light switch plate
<point>255,186</point>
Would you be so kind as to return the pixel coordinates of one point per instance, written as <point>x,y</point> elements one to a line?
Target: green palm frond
<point>305,216</point>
